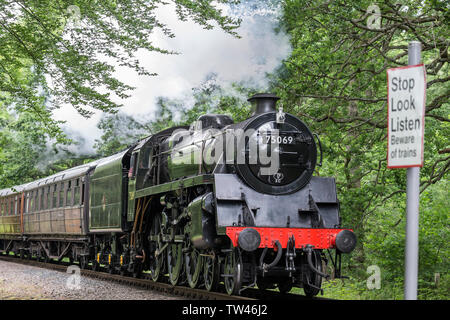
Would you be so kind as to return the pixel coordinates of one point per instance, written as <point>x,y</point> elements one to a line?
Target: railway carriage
<point>198,205</point>
<point>50,216</point>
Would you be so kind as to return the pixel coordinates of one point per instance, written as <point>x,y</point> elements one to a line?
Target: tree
<point>71,49</point>
<point>22,140</point>
<point>335,79</point>
<point>59,52</point>
<point>119,131</point>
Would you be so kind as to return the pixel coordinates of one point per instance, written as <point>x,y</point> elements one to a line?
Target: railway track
<point>161,287</point>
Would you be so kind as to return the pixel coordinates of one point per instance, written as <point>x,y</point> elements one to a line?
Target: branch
<point>345,98</point>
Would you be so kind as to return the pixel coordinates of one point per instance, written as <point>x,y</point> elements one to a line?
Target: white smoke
<point>259,51</point>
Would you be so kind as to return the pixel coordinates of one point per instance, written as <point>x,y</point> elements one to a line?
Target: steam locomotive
<point>216,202</point>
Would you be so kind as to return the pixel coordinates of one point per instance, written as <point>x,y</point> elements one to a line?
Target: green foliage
<point>65,52</point>
<point>71,48</point>
<point>21,141</point>
<point>119,131</point>
<point>335,79</point>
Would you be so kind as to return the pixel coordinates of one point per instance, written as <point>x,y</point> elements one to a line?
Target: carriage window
<point>48,205</point>
<point>41,206</point>
<point>61,194</point>
<point>76,198</point>
<point>48,201</point>
<point>69,193</point>
<point>25,202</point>
<point>82,193</point>
<point>54,198</point>
<point>1,206</point>
<point>38,201</point>
<point>14,206</point>
<point>47,198</point>
<point>31,202</point>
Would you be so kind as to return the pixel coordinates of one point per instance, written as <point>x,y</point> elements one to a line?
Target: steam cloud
<point>259,51</point>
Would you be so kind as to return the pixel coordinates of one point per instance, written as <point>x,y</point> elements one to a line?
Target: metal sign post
<point>406,124</point>
<point>412,206</point>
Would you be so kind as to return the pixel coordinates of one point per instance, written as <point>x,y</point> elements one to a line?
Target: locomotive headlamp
<point>345,241</point>
<point>249,239</point>
<point>281,116</point>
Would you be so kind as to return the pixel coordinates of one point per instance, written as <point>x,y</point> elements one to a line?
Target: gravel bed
<point>19,281</point>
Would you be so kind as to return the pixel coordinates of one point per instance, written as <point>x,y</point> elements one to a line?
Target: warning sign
<point>406,116</point>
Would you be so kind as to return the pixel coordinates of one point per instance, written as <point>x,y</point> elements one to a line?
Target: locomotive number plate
<point>280,139</point>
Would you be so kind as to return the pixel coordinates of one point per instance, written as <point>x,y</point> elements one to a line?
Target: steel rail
<point>161,287</point>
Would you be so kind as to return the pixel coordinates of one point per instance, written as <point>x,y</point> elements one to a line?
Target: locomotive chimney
<point>263,102</point>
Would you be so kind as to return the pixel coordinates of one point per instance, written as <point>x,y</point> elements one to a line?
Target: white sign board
<point>406,116</point>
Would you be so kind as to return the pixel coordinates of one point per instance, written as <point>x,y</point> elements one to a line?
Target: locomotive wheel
<point>193,263</point>
<point>95,265</point>
<point>174,262</point>
<point>264,284</point>
<point>111,269</point>
<point>83,262</point>
<point>285,286</point>
<point>314,278</point>
<point>211,273</point>
<point>137,270</point>
<point>233,272</point>
<point>157,266</point>
<point>123,272</point>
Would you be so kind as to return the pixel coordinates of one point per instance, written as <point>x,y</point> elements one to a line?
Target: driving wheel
<point>233,272</point>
